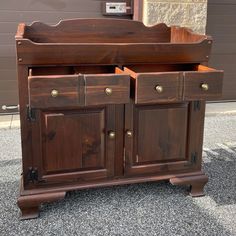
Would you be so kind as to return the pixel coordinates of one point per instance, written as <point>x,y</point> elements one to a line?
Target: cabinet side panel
<point>26,129</point>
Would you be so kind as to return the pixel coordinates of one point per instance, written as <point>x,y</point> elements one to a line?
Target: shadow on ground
<point>139,209</point>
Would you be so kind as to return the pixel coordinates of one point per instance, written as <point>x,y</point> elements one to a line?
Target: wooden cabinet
<point>125,104</point>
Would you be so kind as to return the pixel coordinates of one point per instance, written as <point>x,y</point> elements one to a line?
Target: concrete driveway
<point>139,209</point>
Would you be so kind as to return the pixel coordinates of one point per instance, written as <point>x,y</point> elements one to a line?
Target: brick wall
<point>189,13</point>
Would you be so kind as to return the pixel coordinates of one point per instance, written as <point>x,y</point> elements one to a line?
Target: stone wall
<point>189,13</point>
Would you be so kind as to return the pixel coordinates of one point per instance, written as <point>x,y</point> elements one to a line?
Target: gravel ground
<point>139,209</point>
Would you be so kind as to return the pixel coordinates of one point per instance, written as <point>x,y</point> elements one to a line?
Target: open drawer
<point>173,83</point>
<point>202,84</point>
<point>51,87</point>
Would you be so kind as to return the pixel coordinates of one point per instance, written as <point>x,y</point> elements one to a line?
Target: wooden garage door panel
<point>7,50</point>
<point>58,6</point>
<point>229,82</point>
<point>221,25</point>
<point>7,38</point>
<point>51,17</point>
<point>8,85</point>
<point>7,63</point>
<point>220,2</point>
<point>8,75</point>
<point>216,60</point>
<point>9,96</point>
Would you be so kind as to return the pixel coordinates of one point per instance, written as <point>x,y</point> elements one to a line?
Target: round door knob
<point>108,91</point>
<point>159,89</point>
<point>54,93</point>
<point>205,87</point>
<point>129,133</point>
<point>111,134</point>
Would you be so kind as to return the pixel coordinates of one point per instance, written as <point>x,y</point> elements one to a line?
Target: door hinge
<point>193,158</point>
<point>124,160</point>
<point>32,175</point>
<point>196,105</point>
<point>31,116</point>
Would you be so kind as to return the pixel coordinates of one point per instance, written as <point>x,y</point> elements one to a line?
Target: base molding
<point>30,205</point>
<point>29,201</point>
<point>196,182</point>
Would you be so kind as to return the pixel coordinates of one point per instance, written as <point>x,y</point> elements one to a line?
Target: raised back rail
<point>109,41</point>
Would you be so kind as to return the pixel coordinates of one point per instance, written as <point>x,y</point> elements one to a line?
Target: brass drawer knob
<point>108,91</point>
<point>54,93</point>
<point>129,133</point>
<point>205,87</point>
<point>111,134</point>
<point>159,89</point>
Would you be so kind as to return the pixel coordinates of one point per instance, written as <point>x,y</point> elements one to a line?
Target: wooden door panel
<point>75,145</point>
<point>73,141</point>
<point>165,138</point>
<point>159,140</point>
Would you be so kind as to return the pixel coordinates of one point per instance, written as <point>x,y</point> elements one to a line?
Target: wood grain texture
<point>73,141</point>
<point>96,85</point>
<point>97,31</point>
<point>92,41</point>
<point>171,83</point>
<point>30,205</point>
<point>157,147</point>
<point>111,53</point>
<point>76,145</point>
<point>194,80</point>
<point>41,87</point>
<point>196,182</point>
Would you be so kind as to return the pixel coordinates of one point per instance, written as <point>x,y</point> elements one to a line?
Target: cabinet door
<point>75,145</point>
<point>161,138</point>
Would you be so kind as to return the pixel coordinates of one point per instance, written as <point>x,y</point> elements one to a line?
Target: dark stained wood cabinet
<point>109,102</point>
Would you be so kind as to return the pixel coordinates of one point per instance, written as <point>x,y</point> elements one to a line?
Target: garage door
<point>50,11</point>
<point>221,24</point>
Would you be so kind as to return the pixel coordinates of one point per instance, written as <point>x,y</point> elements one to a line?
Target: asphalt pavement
<point>138,209</point>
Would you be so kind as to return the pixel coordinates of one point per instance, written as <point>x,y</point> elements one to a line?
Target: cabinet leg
<point>30,204</point>
<point>196,182</point>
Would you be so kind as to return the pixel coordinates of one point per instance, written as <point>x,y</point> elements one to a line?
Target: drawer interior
<point>134,70</point>
<point>51,70</point>
<point>70,70</point>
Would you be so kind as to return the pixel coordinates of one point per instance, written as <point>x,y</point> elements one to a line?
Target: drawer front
<point>204,85</point>
<point>158,87</point>
<point>53,91</point>
<point>107,89</point>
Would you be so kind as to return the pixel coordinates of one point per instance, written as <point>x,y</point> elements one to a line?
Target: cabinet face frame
<point>192,162</point>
